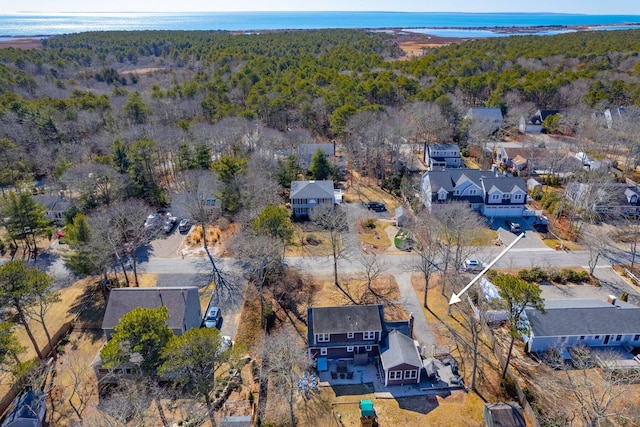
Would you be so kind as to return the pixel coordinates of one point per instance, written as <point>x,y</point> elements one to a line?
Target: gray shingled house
<point>590,322</point>
<point>308,195</point>
<point>360,333</point>
<point>183,304</point>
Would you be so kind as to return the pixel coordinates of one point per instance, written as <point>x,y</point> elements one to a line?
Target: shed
<point>504,414</point>
<point>401,216</point>
<point>28,410</point>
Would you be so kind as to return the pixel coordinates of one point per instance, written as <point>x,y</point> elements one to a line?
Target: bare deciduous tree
<point>286,361</point>
<point>333,220</point>
<point>597,386</point>
<point>457,229</point>
<point>123,226</point>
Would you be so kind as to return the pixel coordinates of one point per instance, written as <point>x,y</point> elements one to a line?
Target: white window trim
<point>410,374</point>
<point>368,348</point>
<point>323,351</point>
<point>350,334</point>
<point>324,337</point>
<point>349,349</point>
<point>369,335</point>
<point>395,375</point>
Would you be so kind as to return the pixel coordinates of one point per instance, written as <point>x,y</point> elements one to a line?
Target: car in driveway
<point>376,206</point>
<point>185,225</point>
<point>513,226</point>
<point>169,224</point>
<point>472,265</point>
<point>152,220</point>
<point>212,318</point>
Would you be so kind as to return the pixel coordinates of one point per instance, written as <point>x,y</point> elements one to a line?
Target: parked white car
<point>472,265</point>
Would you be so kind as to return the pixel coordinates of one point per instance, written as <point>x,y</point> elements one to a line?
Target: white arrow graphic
<point>456,298</point>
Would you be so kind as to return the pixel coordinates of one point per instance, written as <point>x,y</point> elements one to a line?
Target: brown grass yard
<point>451,331</point>
<point>305,243</point>
<point>376,235</point>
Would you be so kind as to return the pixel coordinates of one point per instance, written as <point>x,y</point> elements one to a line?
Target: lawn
<point>309,243</point>
<point>564,244</point>
<point>372,232</point>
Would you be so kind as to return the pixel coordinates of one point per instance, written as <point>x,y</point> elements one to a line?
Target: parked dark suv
<point>376,206</point>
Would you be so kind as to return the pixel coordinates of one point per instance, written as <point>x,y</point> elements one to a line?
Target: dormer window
<point>506,196</point>
<point>369,335</point>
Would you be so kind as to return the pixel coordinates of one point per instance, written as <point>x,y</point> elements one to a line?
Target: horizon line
<point>318,11</point>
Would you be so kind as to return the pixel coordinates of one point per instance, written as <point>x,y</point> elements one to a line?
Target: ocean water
<point>24,24</point>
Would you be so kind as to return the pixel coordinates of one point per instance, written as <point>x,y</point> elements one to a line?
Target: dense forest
<point>176,98</point>
<point>118,123</point>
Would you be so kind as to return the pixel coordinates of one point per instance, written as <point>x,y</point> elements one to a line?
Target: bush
<point>566,275</point>
<point>534,275</point>
<point>313,240</point>
<point>369,223</point>
<point>509,387</point>
<point>223,224</point>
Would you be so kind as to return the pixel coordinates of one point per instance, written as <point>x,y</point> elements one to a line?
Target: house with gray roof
<point>488,192</point>
<point>400,360</point>
<point>183,304</point>
<point>305,196</point>
<point>360,333</point>
<point>534,123</point>
<point>503,196</point>
<point>605,199</point>
<point>438,156</point>
<point>491,117</point>
<point>306,152</point>
<point>55,207</point>
<point>28,410</point>
<point>589,322</point>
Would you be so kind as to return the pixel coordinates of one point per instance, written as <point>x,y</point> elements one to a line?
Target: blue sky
<point>611,7</point>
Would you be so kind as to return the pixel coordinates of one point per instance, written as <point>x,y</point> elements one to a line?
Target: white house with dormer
<point>490,193</point>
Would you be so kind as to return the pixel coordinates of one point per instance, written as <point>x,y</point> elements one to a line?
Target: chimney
<point>611,299</point>
<point>411,324</point>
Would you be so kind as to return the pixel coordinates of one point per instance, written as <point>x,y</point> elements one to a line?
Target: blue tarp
<point>322,364</point>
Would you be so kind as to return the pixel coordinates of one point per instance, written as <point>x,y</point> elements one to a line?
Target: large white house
<point>490,193</point>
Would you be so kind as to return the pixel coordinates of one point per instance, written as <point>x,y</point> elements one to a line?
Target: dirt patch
<point>416,45</point>
<point>22,43</point>
<point>140,71</point>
